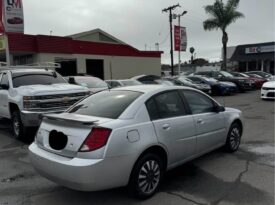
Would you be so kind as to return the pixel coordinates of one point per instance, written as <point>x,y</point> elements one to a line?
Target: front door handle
<point>166,126</point>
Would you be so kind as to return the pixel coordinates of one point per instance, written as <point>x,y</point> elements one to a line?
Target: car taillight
<point>97,138</point>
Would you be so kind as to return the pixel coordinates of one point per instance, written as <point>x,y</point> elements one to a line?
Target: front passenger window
<point>198,102</point>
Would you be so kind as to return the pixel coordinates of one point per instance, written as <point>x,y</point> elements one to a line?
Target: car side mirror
<point>219,108</point>
<point>4,87</point>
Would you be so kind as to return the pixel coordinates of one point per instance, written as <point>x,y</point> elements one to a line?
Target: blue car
<point>217,87</point>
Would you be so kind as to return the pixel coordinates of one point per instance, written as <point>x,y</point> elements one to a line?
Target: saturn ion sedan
<point>130,136</point>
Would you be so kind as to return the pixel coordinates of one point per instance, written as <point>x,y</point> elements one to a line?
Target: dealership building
<point>94,52</point>
<point>250,57</point>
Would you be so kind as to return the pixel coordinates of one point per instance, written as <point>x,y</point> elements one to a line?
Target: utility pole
<point>179,16</point>
<point>170,8</point>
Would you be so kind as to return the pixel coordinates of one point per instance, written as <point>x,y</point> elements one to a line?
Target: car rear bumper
<point>81,174</point>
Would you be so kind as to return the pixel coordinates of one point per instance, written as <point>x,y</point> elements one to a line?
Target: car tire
<point>18,128</point>
<point>233,140</point>
<point>146,176</point>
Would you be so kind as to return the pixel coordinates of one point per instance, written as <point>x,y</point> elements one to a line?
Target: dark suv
<point>243,84</point>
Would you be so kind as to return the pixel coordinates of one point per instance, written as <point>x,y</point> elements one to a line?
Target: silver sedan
<point>131,136</point>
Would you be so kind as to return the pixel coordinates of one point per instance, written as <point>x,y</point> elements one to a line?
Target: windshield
<point>186,81</point>
<point>90,82</point>
<point>210,79</point>
<point>262,74</point>
<point>130,82</point>
<point>107,104</point>
<point>240,75</point>
<point>226,74</point>
<point>46,78</point>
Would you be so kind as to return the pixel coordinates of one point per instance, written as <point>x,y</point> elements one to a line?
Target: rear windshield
<point>130,82</point>
<point>90,82</point>
<point>107,104</point>
<point>47,78</point>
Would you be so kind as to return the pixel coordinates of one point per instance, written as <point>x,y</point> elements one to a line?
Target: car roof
<point>83,77</point>
<point>154,88</point>
<point>121,80</point>
<point>26,70</point>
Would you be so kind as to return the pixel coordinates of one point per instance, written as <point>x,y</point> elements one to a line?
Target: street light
<point>174,17</point>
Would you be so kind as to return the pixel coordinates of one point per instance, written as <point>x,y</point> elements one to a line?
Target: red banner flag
<point>177,39</point>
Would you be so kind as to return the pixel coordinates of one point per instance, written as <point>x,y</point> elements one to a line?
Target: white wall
<point>115,67</point>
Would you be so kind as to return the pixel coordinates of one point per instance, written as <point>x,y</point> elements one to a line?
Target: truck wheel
<point>17,125</point>
<point>146,176</point>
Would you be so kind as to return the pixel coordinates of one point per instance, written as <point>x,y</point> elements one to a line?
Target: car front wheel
<point>146,176</point>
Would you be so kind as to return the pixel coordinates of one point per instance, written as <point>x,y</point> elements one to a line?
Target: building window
<point>23,60</point>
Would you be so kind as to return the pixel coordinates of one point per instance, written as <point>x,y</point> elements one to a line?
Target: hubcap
<point>235,138</point>
<point>16,126</point>
<point>149,176</point>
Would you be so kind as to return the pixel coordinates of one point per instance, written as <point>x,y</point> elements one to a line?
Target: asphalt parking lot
<point>245,177</point>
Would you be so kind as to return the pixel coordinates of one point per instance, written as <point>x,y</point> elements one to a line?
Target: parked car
<point>147,79</point>
<point>218,88</point>
<point>259,81</point>
<point>121,83</point>
<point>131,136</point>
<point>243,84</point>
<point>268,90</point>
<point>27,93</point>
<point>265,75</point>
<point>94,84</point>
<point>255,82</point>
<point>200,86</point>
<point>165,82</point>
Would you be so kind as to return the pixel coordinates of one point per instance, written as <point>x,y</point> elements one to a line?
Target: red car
<point>258,81</point>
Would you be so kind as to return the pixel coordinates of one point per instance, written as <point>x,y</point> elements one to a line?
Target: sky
<point>141,23</point>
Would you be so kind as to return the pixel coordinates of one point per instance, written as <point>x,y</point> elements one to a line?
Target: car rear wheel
<point>233,138</point>
<point>146,176</point>
<point>17,125</point>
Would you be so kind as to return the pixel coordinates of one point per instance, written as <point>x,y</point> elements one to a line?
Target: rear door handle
<point>166,126</point>
<point>200,121</point>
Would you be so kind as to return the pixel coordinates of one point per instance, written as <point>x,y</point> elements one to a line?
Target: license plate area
<point>57,140</point>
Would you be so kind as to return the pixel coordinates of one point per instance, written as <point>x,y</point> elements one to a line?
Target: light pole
<point>174,17</point>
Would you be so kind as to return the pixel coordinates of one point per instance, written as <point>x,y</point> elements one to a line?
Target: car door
<point>210,124</point>
<point>174,127</point>
<point>4,93</point>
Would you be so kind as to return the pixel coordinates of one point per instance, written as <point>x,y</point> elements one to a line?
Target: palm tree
<point>222,15</point>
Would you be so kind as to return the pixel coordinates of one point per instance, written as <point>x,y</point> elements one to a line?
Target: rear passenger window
<point>198,102</point>
<point>166,105</point>
<point>152,109</point>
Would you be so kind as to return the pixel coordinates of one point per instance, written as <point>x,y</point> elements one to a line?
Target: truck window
<point>47,78</point>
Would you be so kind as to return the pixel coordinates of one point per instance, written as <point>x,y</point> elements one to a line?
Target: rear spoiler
<point>69,117</point>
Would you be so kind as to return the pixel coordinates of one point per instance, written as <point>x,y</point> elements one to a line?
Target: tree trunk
<point>224,43</point>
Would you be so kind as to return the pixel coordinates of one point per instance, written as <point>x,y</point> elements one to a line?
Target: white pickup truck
<point>26,93</point>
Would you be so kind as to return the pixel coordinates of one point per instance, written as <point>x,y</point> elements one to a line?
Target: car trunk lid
<point>64,134</point>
